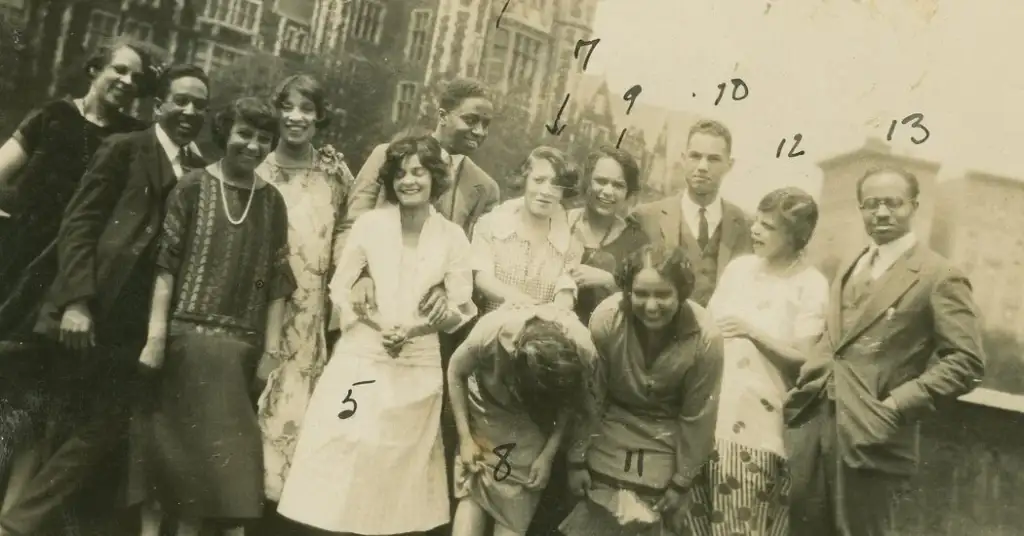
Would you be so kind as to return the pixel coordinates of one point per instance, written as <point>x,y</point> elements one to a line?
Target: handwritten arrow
<point>554,128</point>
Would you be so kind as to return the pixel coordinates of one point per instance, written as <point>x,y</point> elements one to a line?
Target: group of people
<point>403,351</point>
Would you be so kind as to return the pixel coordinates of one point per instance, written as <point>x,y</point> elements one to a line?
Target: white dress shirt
<point>173,150</point>
<point>691,214</point>
<point>887,255</point>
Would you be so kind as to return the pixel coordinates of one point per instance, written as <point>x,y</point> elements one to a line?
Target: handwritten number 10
<point>915,121</point>
<point>737,84</point>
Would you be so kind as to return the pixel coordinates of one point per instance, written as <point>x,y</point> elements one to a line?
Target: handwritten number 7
<point>639,461</point>
<point>915,121</point>
<point>793,153</point>
<point>580,44</point>
<point>502,452</point>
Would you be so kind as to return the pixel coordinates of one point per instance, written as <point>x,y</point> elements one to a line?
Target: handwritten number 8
<point>915,121</point>
<point>502,452</point>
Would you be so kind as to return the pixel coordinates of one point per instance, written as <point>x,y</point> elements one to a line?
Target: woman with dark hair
<point>611,180</point>
<point>524,250</point>
<point>315,183</point>
<point>42,163</point>
<point>661,357</point>
<point>770,307</point>
<point>215,328</point>
<point>371,437</point>
<point>522,375</point>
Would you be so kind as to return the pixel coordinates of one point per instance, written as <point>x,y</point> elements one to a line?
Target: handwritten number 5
<point>346,413</point>
<point>793,153</point>
<point>915,121</point>
<point>502,452</point>
<point>737,84</point>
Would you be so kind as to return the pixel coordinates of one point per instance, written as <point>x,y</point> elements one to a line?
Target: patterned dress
<point>203,450</point>
<point>748,476</point>
<point>316,197</point>
<point>500,248</point>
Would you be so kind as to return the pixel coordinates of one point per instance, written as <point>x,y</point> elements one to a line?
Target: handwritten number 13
<point>915,121</point>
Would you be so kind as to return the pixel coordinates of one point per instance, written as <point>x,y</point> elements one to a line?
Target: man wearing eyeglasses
<point>902,332</point>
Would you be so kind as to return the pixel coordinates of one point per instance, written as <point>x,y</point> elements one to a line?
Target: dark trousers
<point>88,397</point>
<point>828,497</point>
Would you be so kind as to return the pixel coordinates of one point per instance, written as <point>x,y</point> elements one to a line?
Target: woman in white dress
<point>369,458</point>
<point>770,307</point>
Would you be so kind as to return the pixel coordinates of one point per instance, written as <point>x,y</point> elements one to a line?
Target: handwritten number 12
<point>793,153</point>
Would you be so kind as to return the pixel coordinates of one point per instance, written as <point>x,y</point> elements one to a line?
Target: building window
<point>102,25</point>
<point>405,102</point>
<point>295,39</point>
<point>241,15</point>
<point>497,58</point>
<point>367,19</point>
<point>139,30</point>
<point>525,59</point>
<point>418,44</point>
<point>211,55</point>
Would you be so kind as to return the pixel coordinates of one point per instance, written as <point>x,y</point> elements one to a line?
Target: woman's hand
<point>394,339</point>
<point>152,357</point>
<point>589,276</point>
<point>579,481</point>
<point>362,299</point>
<point>671,502</point>
<point>471,456</point>
<point>540,472</point>
<point>434,305</point>
<point>733,326</point>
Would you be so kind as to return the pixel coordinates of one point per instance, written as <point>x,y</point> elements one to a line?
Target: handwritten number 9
<point>630,96</point>
<point>737,84</point>
<point>502,452</point>
<point>915,121</point>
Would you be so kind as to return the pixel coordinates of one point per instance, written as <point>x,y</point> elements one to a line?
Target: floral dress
<point>316,197</point>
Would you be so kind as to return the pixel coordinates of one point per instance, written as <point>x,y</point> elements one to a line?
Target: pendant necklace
<point>224,197</point>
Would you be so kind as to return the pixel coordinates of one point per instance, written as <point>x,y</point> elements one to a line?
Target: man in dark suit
<point>712,230</point>
<point>95,317</point>
<point>902,332</point>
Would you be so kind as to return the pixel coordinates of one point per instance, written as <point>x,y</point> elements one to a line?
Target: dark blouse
<point>225,274</point>
<point>59,143</point>
<point>608,258</point>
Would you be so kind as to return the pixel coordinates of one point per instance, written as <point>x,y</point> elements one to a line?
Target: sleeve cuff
<point>911,400</point>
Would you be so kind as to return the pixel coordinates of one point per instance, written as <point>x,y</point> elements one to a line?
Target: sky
<point>835,71</point>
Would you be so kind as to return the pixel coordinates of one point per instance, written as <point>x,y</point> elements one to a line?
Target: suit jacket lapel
<point>732,226</point>
<point>833,320</point>
<point>893,284</point>
<point>157,165</point>
<point>671,221</point>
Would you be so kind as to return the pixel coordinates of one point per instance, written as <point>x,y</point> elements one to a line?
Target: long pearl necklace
<point>224,197</point>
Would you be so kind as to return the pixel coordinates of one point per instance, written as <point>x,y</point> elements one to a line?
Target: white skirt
<point>380,469</point>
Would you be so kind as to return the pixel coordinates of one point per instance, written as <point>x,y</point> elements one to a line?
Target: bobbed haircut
<point>626,162</point>
<point>310,88</point>
<point>428,149</point>
<point>567,175</point>
<point>797,212</point>
<point>254,111</point>
<point>671,263</point>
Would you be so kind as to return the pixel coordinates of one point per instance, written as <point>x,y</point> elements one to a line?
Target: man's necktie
<point>702,232</point>
<point>188,159</point>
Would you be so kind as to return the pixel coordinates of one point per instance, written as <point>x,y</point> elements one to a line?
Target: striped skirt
<point>749,491</point>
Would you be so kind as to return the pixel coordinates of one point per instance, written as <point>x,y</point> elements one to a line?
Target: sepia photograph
<point>511,268</point>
